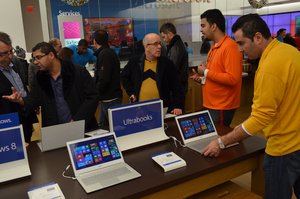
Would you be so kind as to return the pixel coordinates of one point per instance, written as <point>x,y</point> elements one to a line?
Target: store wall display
<point>104,9</point>
<point>120,30</point>
<point>290,21</point>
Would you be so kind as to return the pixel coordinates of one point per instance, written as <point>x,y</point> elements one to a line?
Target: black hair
<point>250,24</point>
<point>281,30</point>
<point>5,38</point>
<point>101,37</point>
<point>168,27</point>
<point>45,48</point>
<point>214,16</point>
<point>83,42</point>
<point>66,54</point>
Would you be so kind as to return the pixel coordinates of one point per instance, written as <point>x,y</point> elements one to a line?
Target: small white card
<point>96,132</point>
<point>48,191</point>
<point>169,161</point>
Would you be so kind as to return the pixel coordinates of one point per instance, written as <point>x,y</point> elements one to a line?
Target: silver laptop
<point>98,163</point>
<point>56,136</point>
<point>196,129</point>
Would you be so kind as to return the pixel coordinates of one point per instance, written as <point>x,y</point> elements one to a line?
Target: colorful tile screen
<point>93,152</point>
<point>196,125</point>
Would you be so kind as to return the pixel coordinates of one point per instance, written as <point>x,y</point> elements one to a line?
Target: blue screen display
<point>196,125</point>
<point>94,152</point>
<point>11,146</point>
<point>132,120</point>
<point>9,120</point>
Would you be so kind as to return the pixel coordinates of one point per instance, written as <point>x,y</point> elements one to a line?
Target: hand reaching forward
<point>14,97</point>
<point>212,150</point>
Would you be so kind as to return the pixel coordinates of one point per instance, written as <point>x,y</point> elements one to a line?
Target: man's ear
<point>51,54</point>
<point>258,38</point>
<point>214,27</point>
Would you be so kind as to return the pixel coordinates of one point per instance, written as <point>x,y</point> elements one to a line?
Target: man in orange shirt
<point>221,78</point>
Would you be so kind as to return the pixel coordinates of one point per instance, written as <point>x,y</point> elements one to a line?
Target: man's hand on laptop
<point>177,111</point>
<point>212,150</point>
<point>14,97</point>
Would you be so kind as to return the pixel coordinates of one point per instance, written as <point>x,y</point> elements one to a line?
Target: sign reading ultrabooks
<point>138,117</point>
<point>137,124</point>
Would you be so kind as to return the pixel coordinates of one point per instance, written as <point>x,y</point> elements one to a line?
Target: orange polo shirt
<point>222,88</point>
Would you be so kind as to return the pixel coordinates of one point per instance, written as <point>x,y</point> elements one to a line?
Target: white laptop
<point>56,136</point>
<point>13,156</point>
<point>137,124</point>
<point>98,163</point>
<point>196,129</point>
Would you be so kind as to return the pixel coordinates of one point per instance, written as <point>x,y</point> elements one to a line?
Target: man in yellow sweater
<point>275,109</point>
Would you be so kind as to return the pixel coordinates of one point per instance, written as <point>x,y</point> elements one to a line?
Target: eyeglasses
<point>155,43</point>
<point>38,57</point>
<point>6,53</point>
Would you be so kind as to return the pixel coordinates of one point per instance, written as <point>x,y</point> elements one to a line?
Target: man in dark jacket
<point>107,76</point>
<point>176,52</point>
<point>10,76</point>
<point>64,91</point>
<point>153,76</point>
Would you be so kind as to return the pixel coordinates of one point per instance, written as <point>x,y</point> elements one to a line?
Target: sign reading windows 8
<point>130,119</point>
<point>11,147</point>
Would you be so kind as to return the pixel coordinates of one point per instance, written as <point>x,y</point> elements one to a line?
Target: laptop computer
<point>13,156</point>
<point>197,130</point>
<point>56,136</point>
<point>98,163</point>
<point>137,124</point>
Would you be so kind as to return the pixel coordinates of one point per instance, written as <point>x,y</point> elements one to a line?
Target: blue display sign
<point>11,147</point>
<point>134,118</point>
<point>9,120</point>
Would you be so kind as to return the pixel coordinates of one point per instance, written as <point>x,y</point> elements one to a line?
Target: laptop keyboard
<point>201,144</point>
<point>109,177</point>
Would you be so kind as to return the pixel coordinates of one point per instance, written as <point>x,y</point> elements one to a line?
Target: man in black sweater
<point>107,76</point>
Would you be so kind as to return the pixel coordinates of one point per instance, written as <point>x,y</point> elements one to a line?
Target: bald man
<point>152,76</point>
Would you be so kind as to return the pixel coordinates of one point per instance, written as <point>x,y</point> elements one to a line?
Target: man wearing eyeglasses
<point>81,53</point>
<point>65,92</point>
<point>9,77</point>
<point>153,76</point>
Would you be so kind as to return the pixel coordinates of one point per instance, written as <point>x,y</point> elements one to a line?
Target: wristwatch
<point>221,143</point>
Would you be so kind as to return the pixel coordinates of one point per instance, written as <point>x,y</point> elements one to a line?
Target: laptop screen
<point>196,125</point>
<point>93,152</point>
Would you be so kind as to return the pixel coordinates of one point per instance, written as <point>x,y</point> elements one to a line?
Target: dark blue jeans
<point>227,116</point>
<point>282,174</point>
<point>104,106</point>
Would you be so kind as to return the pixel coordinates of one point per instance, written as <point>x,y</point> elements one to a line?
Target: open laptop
<point>56,136</point>
<point>98,163</point>
<point>137,124</point>
<point>196,129</point>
